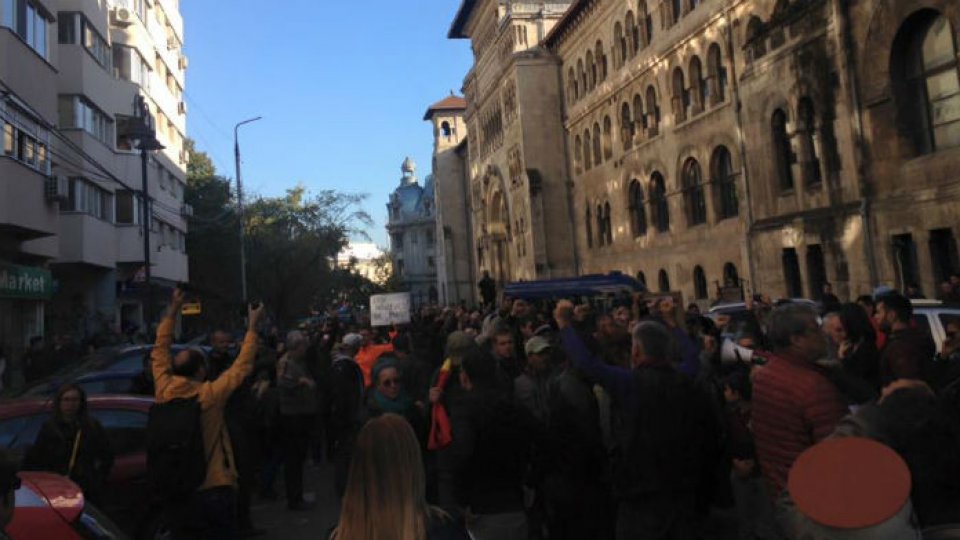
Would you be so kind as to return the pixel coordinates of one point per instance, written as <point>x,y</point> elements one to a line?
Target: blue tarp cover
<point>591,285</point>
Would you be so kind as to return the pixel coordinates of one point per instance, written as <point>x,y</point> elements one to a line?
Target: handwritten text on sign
<point>387,309</point>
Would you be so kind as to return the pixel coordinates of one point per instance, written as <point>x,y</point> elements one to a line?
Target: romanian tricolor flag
<point>440,431</point>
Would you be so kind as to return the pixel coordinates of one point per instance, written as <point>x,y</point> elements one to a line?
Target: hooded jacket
<point>212,396</point>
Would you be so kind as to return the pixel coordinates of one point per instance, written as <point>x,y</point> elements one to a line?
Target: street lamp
<point>243,248</point>
<point>143,131</point>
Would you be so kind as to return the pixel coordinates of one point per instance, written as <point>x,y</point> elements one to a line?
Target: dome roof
<point>408,166</point>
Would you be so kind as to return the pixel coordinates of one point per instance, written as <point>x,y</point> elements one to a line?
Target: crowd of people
<point>629,418</point>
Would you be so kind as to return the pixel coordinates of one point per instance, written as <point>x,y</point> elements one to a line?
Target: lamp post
<point>243,247</point>
<point>143,130</point>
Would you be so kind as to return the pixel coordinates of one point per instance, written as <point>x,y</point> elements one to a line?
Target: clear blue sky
<point>342,87</point>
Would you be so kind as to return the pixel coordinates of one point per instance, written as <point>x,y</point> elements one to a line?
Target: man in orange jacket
<point>369,353</point>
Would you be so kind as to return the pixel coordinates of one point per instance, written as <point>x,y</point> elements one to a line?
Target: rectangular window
<point>129,65</point>
<point>128,208</point>
<point>27,19</point>
<point>76,112</point>
<point>96,45</point>
<point>8,16</point>
<point>24,140</point>
<point>87,198</point>
<point>67,27</point>
<point>9,137</point>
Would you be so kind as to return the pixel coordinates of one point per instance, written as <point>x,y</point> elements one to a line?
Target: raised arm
<point>228,381</point>
<point>161,363</point>
<point>615,379</point>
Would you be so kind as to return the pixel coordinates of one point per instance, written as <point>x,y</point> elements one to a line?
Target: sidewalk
<point>314,524</point>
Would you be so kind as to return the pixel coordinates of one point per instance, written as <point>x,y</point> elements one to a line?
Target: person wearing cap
<point>530,388</point>
<point>346,405</point>
<point>9,484</point>
<point>794,403</point>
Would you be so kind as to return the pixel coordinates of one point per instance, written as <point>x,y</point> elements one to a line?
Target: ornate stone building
<point>770,144</point>
<point>455,264</point>
<point>788,143</point>
<point>518,179</point>
<point>412,227</point>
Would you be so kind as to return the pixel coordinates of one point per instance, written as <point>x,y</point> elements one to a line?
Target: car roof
<point>53,491</point>
<point>20,407</point>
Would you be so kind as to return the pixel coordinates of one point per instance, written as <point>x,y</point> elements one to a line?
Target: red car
<point>51,506</point>
<point>127,499</point>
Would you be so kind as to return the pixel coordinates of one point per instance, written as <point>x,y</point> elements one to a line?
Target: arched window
<point>699,283</point>
<point>642,278</point>
<point>630,29</point>
<point>724,183</point>
<point>608,223</point>
<point>601,227</point>
<point>664,281</point>
<point>698,86</point>
<point>925,81</point>
<point>639,119</point>
<point>730,276</point>
<point>577,154</point>
<point>659,203</point>
<point>693,193</point>
<point>807,133</point>
<point>626,126</point>
<point>638,212</point>
<point>597,147</point>
<point>755,40</point>
<point>589,227</point>
<point>573,93</point>
<point>591,71</point>
<point>680,99</point>
<point>601,59</point>
<point>607,138</point>
<point>653,112</point>
<point>587,160</point>
<point>783,155</point>
<point>581,77</point>
<point>619,46</point>
<point>445,129</point>
<point>717,75</point>
<point>677,10</point>
<point>646,22</point>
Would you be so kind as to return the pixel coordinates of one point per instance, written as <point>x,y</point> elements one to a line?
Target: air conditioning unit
<point>182,107</point>
<point>57,188</point>
<point>186,211</point>
<point>171,44</point>
<point>121,16</point>
<point>184,63</point>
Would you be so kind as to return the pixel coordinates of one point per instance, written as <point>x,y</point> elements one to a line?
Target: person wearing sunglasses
<point>9,484</point>
<point>389,395</point>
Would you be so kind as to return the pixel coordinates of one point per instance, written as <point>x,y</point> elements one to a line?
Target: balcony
<point>25,213</point>
<point>85,239</point>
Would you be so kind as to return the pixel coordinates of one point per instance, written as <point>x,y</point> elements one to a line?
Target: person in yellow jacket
<point>211,513</point>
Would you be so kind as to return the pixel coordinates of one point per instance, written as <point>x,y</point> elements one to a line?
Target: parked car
<point>127,499</point>
<point>51,506</point>
<point>933,316</point>
<point>111,360</point>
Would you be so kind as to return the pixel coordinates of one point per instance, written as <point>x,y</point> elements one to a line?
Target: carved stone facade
<point>788,143</point>
<point>518,192</point>
<point>770,144</point>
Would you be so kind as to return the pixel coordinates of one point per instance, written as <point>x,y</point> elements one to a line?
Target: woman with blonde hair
<point>386,491</point>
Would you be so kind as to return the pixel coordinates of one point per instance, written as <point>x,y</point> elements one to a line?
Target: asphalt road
<point>314,524</point>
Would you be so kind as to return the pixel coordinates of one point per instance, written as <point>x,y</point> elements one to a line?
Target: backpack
<point>176,460</point>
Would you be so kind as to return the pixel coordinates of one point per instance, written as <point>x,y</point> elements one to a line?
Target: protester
<point>828,300</point>
<point>530,388</point>
<point>794,403</point>
<point>346,406</point>
<point>298,407</point>
<point>73,444</point>
<point>505,353</point>
<point>368,354</point>
<point>488,290</point>
<point>386,492</point>
<point>210,511</point>
<point>9,484</point>
<point>909,350</point>
<point>389,395</point>
<point>484,466</point>
<point>669,440</point>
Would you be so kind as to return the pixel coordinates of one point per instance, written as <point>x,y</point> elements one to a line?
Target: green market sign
<point>25,282</point>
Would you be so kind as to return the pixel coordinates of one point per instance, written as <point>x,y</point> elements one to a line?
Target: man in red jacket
<point>794,404</point>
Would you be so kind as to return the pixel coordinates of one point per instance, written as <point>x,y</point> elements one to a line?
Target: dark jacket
<point>484,467</point>
<point>346,395</point>
<point>54,446</point>
<point>908,354</point>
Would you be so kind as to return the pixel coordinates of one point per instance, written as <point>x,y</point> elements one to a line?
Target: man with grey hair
<point>669,440</point>
<point>794,403</point>
<point>298,406</point>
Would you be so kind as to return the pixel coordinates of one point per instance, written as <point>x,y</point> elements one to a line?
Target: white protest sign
<point>387,309</point>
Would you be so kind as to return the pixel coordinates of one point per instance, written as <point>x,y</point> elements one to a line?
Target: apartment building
<point>71,212</point>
